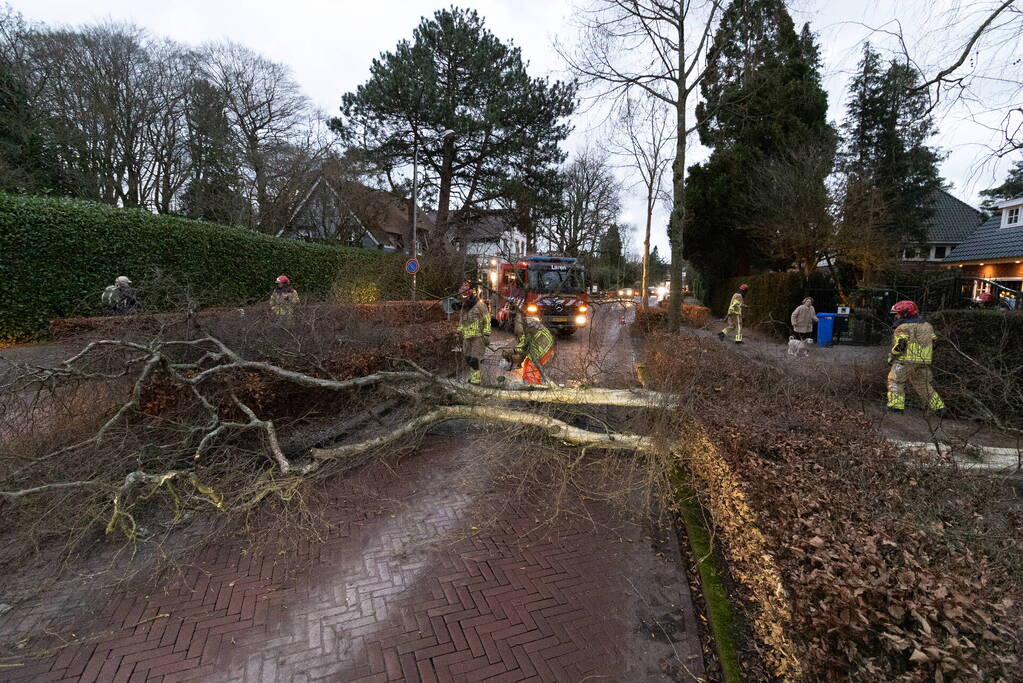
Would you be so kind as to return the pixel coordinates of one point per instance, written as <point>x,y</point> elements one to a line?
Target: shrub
<point>59,254</point>
<point>650,319</point>
<point>773,296</point>
<point>978,362</point>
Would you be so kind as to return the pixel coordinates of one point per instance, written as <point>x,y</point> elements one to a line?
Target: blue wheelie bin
<point>825,328</point>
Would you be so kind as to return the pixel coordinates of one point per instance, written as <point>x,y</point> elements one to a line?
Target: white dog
<point>797,347</point>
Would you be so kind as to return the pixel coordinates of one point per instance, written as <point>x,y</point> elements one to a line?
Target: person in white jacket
<point>802,319</point>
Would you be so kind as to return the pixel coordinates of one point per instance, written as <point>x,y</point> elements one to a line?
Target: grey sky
<point>329,44</point>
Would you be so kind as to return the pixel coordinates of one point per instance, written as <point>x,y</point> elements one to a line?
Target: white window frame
<point>1012,216</point>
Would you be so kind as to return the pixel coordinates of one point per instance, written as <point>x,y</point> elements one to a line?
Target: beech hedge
<point>57,255</point>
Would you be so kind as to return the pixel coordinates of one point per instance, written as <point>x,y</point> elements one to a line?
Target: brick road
<point>434,568</point>
<point>401,587</point>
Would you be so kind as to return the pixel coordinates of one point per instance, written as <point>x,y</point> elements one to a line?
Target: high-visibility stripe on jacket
<point>917,340</point>
<point>535,342</point>
<point>735,305</point>
<point>475,322</point>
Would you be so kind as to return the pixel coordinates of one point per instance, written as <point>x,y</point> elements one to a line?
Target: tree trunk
<point>444,198</point>
<point>678,189</point>
<point>646,241</point>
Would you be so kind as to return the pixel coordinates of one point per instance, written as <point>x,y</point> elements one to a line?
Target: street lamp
<point>415,185</point>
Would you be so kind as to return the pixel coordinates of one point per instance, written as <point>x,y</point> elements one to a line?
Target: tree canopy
<point>455,75</point>
<point>1010,189</point>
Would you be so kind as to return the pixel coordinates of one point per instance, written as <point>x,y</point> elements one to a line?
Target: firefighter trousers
<point>530,371</point>
<point>733,323</point>
<point>917,375</point>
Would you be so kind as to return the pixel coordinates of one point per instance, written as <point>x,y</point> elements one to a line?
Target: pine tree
<point>886,133</point>
<point>762,99</point>
<point>455,75</point>
<point>1010,189</point>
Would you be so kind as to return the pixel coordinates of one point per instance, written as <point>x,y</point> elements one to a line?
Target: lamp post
<point>415,205</point>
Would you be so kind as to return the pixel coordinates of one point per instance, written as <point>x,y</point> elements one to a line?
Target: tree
<point>763,101</point>
<point>589,207</point>
<point>886,133</point>
<point>266,108</point>
<point>657,49</point>
<point>646,129</point>
<point>657,269</point>
<point>465,101</point>
<point>1011,188</point>
<point>213,190</point>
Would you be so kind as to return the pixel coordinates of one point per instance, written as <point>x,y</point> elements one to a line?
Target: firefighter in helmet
<point>474,328</point>
<point>733,321</point>
<point>535,347</point>
<point>284,296</point>
<point>910,358</point>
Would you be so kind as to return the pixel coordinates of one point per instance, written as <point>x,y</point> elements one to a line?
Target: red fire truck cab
<point>553,287</point>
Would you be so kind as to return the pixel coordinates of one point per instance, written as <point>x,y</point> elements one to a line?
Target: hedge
<point>773,296</point>
<point>57,255</point>
<point>978,362</point>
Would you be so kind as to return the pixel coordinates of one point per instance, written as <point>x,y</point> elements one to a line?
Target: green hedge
<point>773,296</point>
<point>57,255</point>
<point>978,362</point>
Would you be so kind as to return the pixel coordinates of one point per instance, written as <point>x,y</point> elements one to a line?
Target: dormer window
<point>1012,216</point>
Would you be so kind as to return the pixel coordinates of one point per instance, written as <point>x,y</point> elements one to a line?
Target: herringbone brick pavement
<point>403,586</point>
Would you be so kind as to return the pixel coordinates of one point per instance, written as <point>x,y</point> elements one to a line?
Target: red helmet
<point>905,309</point>
<point>743,287</point>
<point>283,280</point>
<point>466,290</point>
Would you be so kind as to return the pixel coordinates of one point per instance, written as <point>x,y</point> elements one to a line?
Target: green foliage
<point>457,75</point>
<point>59,254</point>
<point>978,362</point>
<point>773,296</point>
<point>1010,189</point>
<point>762,99</point>
<point>886,134</point>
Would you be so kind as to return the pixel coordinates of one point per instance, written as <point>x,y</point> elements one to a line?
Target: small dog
<point>797,347</point>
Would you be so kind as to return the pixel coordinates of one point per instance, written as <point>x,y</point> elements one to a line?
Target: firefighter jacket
<point>283,300</point>
<point>473,326</point>
<point>735,305</point>
<point>913,342</point>
<point>535,341</point>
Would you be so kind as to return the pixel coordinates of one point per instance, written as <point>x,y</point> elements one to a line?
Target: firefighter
<point>910,358</point>
<point>120,298</point>
<point>474,328</point>
<point>535,347</point>
<point>284,297</point>
<point>733,321</point>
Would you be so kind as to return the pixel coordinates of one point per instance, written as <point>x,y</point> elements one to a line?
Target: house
<point>348,212</point>
<point>952,222</point>
<point>995,250</point>
<point>488,234</point>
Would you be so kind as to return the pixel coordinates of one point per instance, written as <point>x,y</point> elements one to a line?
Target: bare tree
<point>590,203</point>
<point>266,108</point>
<point>646,134</point>
<point>656,48</point>
<point>969,60</point>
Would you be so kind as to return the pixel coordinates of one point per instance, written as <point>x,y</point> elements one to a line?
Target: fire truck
<point>553,287</point>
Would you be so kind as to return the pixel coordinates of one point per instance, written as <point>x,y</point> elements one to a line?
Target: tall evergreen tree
<point>762,98</point>
<point>455,75</point>
<point>886,133</point>
<point>1010,189</point>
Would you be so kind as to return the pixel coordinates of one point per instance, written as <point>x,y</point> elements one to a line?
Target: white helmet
<point>122,280</point>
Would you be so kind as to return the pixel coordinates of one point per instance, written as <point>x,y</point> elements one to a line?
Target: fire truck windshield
<point>546,281</point>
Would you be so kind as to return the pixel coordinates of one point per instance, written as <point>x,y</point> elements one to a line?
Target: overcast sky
<point>329,45</point>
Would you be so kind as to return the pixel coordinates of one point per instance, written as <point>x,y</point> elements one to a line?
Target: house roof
<point>385,217</point>
<point>990,241</point>
<point>953,220</point>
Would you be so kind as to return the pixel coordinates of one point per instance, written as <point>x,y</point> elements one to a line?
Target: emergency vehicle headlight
<point>580,320</point>
<point>532,308</point>
<point>621,292</point>
<point>584,308</point>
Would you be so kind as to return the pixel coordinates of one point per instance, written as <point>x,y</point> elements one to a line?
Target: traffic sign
<point>412,266</point>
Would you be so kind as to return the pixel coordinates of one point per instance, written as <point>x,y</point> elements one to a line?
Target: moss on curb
<point>711,569</point>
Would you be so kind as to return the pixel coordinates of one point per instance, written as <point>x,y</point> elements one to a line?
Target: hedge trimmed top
<point>57,255</point>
